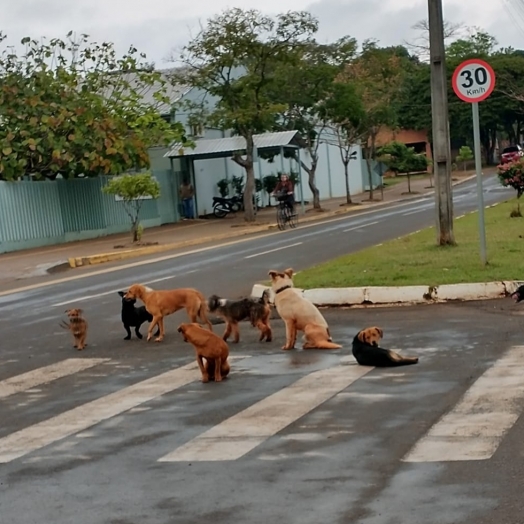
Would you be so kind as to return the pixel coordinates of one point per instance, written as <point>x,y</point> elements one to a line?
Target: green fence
<point>35,214</point>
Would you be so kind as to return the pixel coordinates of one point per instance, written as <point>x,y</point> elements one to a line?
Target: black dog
<point>234,311</point>
<point>518,294</point>
<point>133,316</point>
<point>368,353</point>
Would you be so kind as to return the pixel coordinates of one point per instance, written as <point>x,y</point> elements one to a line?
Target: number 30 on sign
<point>473,80</point>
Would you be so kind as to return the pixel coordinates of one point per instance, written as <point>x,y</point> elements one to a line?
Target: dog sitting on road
<point>212,351</point>
<point>165,302</point>
<point>234,311</point>
<point>78,326</point>
<point>299,314</point>
<point>518,294</point>
<point>367,352</point>
<point>133,316</point>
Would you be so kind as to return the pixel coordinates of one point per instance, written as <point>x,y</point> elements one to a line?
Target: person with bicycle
<point>286,191</point>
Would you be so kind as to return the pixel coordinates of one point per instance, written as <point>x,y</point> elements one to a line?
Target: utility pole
<point>440,128</point>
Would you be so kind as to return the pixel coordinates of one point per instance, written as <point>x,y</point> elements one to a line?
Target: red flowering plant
<point>512,175</point>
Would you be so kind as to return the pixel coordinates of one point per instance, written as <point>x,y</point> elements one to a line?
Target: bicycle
<point>285,215</point>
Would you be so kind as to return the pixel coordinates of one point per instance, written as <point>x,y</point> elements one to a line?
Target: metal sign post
<point>473,81</point>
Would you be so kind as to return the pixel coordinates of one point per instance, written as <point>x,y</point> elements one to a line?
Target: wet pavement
<point>341,461</point>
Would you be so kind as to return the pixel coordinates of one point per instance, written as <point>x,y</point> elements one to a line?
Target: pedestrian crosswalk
<point>473,429</point>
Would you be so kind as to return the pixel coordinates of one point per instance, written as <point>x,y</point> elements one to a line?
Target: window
<point>197,130</point>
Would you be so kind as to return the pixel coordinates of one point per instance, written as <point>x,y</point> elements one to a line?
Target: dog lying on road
<point>234,311</point>
<point>518,294</point>
<point>78,326</point>
<point>367,352</point>
<point>133,316</point>
<point>165,302</point>
<point>212,351</point>
<point>299,314</point>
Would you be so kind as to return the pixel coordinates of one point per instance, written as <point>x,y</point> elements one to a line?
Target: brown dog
<point>210,347</point>
<point>165,302</point>
<point>78,326</point>
<point>367,352</point>
<point>299,314</point>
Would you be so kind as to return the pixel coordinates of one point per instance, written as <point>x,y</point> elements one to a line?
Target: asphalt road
<point>297,436</point>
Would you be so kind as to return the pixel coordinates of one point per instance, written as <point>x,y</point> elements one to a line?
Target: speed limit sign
<point>473,80</point>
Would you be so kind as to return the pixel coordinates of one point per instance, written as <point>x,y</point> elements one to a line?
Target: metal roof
<point>173,91</point>
<point>221,147</point>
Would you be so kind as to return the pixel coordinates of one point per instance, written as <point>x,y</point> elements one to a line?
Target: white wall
<point>329,176</point>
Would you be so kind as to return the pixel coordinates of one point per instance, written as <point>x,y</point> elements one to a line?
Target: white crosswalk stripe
<point>243,432</point>
<point>46,374</point>
<point>56,428</point>
<point>471,430</point>
<point>474,429</point>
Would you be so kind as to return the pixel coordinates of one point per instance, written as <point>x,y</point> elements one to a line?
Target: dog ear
<point>362,336</point>
<point>80,311</point>
<point>181,328</point>
<point>121,293</point>
<point>289,272</point>
<point>380,331</point>
<point>273,274</point>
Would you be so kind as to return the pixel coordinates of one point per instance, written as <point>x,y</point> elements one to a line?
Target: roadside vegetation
<point>415,260</point>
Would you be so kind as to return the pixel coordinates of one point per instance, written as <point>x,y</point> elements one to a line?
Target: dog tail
<point>65,325</point>
<point>202,312</point>
<point>212,303</point>
<point>265,297</point>
<point>327,344</point>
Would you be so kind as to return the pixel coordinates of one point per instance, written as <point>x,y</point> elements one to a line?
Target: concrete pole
<point>439,112</point>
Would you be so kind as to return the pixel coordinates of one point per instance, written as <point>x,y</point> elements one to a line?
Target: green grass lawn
<point>416,260</point>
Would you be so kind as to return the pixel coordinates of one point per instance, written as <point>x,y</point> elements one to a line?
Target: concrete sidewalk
<point>36,262</point>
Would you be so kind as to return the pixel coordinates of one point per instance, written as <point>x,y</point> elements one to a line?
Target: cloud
<point>157,26</point>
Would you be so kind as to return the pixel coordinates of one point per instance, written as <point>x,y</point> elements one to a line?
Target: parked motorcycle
<point>224,206</point>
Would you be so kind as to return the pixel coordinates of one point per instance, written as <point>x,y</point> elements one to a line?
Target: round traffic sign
<point>473,80</point>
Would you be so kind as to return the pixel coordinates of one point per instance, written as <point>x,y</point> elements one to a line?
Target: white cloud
<point>157,26</point>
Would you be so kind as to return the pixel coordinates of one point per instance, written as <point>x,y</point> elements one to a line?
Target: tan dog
<point>299,314</point>
<point>165,302</point>
<point>210,347</point>
<point>367,352</point>
<point>78,326</point>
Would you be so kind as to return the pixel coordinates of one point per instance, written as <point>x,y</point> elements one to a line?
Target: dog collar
<point>282,289</point>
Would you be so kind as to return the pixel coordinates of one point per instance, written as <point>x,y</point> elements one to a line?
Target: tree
<point>303,87</point>
<point>345,112</point>
<point>420,45</point>
<point>465,155</point>
<point>133,190</point>
<point>233,59</point>
<point>377,74</point>
<point>70,108</point>
<point>402,159</point>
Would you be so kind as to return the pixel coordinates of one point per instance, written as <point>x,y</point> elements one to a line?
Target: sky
<point>160,28</point>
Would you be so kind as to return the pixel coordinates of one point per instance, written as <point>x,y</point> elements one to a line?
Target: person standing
<point>187,193</point>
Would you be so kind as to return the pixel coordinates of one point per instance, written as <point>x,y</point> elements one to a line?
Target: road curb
<point>102,258</point>
<point>400,295</point>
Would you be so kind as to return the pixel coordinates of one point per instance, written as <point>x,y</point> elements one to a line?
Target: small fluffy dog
<point>367,352</point>
<point>299,314</point>
<point>78,326</point>
<point>212,351</point>
<point>133,316</point>
<point>518,294</point>
<point>165,302</point>
<point>234,311</point>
